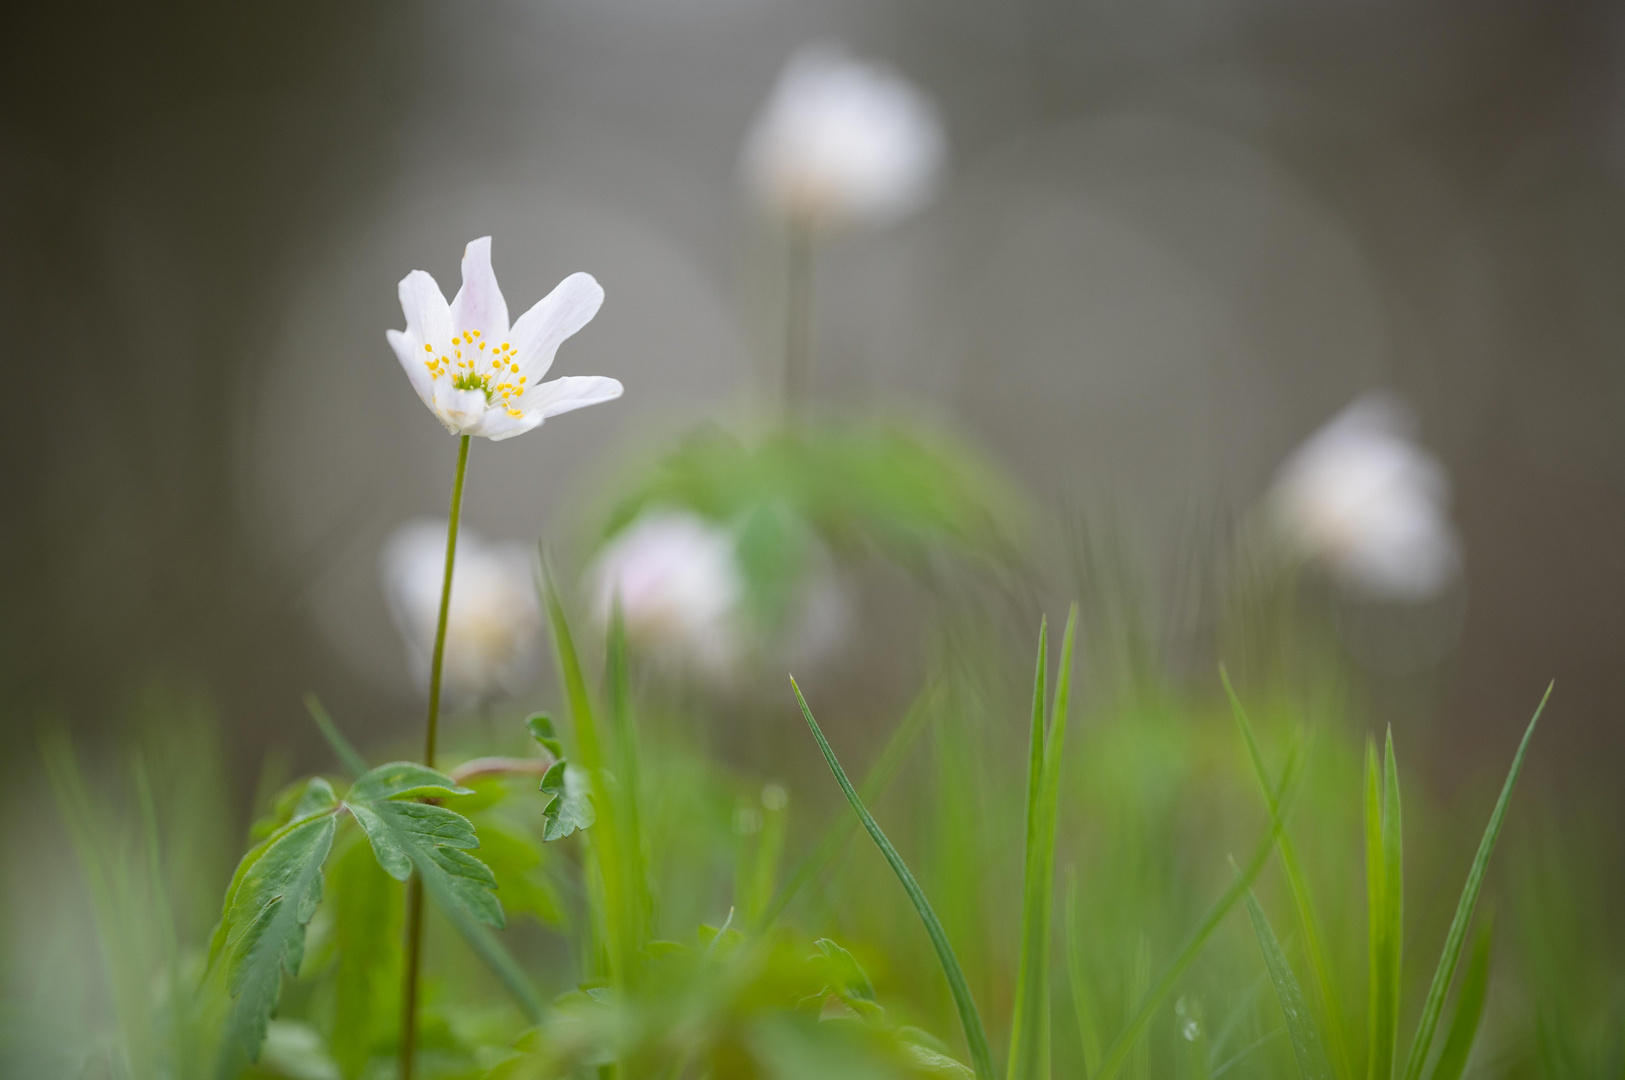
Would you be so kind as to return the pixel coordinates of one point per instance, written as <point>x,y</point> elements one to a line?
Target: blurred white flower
<point>478,375</point>
<point>493,620</point>
<point>680,590</point>
<point>843,140</point>
<point>1363,497</point>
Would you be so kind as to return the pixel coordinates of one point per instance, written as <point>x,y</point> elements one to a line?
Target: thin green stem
<point>432,732</point>
<point>414,891</point>
<point>798,302</point>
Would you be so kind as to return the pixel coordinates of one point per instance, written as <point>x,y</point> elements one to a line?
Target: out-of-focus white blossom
<point>478,375</point>
<point>1361,496</point>
<point>843,140</point>
<point>679,585</point>
<point>493,620</point>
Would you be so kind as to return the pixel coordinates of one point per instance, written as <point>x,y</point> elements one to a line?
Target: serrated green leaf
<point>847,971</point>
<point>571,806</point>
<point>540,726</point>
<point>1469,1009</point>
<point>1451,955</point>
<point>404,780</point>
<point>1300,1025</point>
<point>262,929</point>
<point>434,841</point>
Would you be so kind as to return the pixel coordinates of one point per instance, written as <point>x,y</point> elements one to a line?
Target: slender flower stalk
<point>798,306</point>
<point>414,896</point>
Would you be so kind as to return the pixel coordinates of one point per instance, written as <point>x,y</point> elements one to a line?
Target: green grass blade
<point>1451,956</point>
<point>1023,1059</point>
<point>1314,941</point>
<point>619,913</point>
<point>618,678</point>
<point>975,1034</point>
<point>1385,891</point>
<point>881,774</point>
<point>1469,1009</point>
<point>1029,1029</point>
<point>1088,1029</point>
<point>353,763</point>
<point>1132,1032</point>
<point>1307,1047</point>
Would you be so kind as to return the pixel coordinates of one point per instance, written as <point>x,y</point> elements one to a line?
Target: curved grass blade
<point>881,774</point>
<point>1385,889</point>
<point>1124,1044</point>
<point>1300,1025</point>
<point>1314,941</point>
<point>354,763</point>
<point>1469,1009</point>
<point>1451,956</point>
<point>1030,1026</point>
<point>975,1034</point>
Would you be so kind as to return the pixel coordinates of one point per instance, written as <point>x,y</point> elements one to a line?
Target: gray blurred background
<point>1175,237</point>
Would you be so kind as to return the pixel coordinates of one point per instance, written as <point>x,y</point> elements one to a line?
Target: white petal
<point>409,351</point>
<point>459,410</point>
<point>571,392</point>
<point>427,317</point>
<point>479,304</point>
<point>497,424</point>
<point>539,331</point>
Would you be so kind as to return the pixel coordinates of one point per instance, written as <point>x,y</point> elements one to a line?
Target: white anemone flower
<point>841,140</point>
<point>1364,498</point>
<point>679,586</point>
<point>493,622</point>
<point>477,374</point>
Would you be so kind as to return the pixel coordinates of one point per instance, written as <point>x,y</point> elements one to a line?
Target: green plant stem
<point>414,889</point>
<point>798,302</point>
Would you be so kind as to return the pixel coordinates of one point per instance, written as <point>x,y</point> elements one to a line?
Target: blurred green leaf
<point>1300,1025</point>
<point>367,927</point>
<point>571,806</point>
<point>1446,971</point>
<point>849,975</point>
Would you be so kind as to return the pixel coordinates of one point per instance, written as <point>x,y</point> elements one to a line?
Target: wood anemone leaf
<point>571,807</point>
<point>271,899</point>
<point>435,842</point>
<point>854,981</point>
<point>1307,1047</point>
<point>540,726</point>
